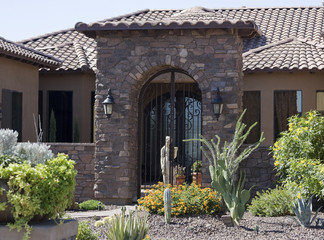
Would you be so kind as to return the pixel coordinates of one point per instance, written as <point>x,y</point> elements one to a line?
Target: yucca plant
<point>131,227</point>
<point>303,210</point>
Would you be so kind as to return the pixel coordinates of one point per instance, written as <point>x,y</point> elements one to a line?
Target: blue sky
<point>23,19</point>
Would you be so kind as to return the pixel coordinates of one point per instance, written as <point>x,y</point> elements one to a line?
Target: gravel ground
<point>211,227</point>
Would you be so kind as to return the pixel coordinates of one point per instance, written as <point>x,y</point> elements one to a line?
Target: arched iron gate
<point>170,104</point>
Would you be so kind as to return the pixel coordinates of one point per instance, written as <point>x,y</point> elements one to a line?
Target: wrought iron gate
<point>171,106</point>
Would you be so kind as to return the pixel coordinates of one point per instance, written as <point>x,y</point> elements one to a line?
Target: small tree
<point>299,154</point>
<point>223,165</point>
<point>52,131</point>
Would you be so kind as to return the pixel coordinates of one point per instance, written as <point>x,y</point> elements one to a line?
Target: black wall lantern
<point>108,104</point>
<point>218,104</point>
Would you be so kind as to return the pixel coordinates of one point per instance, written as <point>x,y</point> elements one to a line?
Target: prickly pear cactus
<point>167,205</point>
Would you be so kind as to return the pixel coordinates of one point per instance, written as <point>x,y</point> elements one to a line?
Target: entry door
<point>171,106</point>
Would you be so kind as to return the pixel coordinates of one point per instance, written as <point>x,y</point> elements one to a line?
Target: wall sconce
<point>218,104</point>
<point>108,104</point>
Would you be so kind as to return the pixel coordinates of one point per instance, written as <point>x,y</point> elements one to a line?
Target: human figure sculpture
<point>165,160</point>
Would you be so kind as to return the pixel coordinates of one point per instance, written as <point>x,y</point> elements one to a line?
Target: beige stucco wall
<point>267,83</point>
<point>22,77</point>
<point>81,84</point>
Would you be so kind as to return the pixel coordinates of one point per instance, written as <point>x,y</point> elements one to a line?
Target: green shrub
<point>85,232</point>
<point>185,199</point>
<point>299,154</point>
<point>272,203</point>
<point>90,205</point>
<point>44,190</point>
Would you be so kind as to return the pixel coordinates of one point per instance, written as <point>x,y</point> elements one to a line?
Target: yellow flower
<point>299,196</point>
<point>276,163</point>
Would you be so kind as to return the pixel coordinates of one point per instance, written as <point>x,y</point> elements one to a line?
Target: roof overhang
<point>246,28</point>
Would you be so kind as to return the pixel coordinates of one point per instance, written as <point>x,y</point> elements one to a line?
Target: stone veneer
<point>125,61</point>
<point>259,169</point>
<point>83,155</point>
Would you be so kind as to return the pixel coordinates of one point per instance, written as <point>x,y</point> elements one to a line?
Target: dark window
<point>12,111</point>
<point>251,102</point>
<point>61,104</point>
<point>286,104</point>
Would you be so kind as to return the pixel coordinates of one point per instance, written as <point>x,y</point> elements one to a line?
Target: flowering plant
<point>186,199</point>
<point>299,154</point>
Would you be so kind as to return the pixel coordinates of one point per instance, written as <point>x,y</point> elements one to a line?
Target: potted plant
<point>180,174</point>
<point>196,172</point>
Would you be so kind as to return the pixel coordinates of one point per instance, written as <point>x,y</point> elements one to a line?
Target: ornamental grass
<point>186,200</point>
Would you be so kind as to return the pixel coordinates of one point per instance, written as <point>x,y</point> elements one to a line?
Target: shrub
<point>44,190</point>
<point>8,141</point>
<point>85,232</point>
<point>90,205</point>
<point>272,203</point>
<point>186,199</point>
<point>34,153</point>
<point>299,154</point>
<point>121,227</point>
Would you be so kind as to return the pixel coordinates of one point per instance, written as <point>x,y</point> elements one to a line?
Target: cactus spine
<point>167,205</point>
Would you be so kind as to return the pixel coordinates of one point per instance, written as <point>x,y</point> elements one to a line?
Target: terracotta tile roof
<point>286,55</point>
<point>77,51</point>
<point>192,18</point>
<point>22,53</point>
<point>276,24</point>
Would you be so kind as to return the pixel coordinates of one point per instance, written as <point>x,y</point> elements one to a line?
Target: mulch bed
<point>211,227</point>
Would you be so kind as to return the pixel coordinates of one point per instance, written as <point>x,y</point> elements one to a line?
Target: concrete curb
<point>103,213</point>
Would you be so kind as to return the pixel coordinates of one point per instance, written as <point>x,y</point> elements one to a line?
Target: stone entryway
<point>170,105</point>
<point>129,54</point>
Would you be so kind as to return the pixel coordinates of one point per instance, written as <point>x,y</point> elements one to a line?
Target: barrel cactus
<point>167,205</point>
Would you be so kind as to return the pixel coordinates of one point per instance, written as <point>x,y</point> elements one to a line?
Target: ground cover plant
<point>299,155</point>
<point>185,200</point>
<point>91,205</point>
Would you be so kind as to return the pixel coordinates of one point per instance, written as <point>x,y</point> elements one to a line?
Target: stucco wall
<point>21,77</point>
<point>126,60</point>
<point>81,84</point>
<point>267,83</point>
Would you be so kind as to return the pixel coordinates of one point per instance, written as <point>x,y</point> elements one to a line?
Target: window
<point>286,104</point>
<point>320,101</point>
<point>61,104</point>
<point>251,102</point>
<point>12,111</point>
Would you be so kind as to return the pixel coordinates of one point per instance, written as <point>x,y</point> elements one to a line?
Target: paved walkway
<point>103,213</point>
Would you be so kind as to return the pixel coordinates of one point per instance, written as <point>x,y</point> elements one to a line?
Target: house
<point>164,68</point>
<point>19,83</point>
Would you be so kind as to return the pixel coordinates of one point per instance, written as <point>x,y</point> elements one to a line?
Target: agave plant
<point>303,211</point>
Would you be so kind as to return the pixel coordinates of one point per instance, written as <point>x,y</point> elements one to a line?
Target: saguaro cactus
<point>167,205</point>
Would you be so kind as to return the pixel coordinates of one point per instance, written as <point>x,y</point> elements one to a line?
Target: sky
<point>24,19</point>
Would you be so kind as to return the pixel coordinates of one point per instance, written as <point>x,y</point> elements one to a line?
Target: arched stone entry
<point>169,105</point>
<point>126,60</point>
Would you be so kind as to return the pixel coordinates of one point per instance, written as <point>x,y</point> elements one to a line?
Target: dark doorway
<point>61,104</point>
<point>171,106</point>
